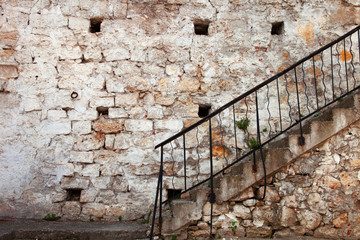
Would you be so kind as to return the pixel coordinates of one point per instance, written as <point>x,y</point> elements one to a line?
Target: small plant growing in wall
<point>243,123</point>
<point>51,217</point>
<point>173,237</point>
<point>147,218</point>
<point>253,143</point>
<point>120,218</point>
<point>233,227</point>
<point>91,219</point>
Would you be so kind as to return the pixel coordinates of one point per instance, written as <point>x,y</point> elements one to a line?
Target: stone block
<point>137,83</point>
<point>87,114</point>
<point>111,170</point>
<point>138,125</point>
<point>116,54</point>
<point>101,182</point>
<point>173,70</point>
<point>271,194</point>
<point>31,104</point>
<point>109,141</point>
<point>218,209</point>
<point>81,157</point>
<point>340,220</point>
<point>155,113</point>
<point>242,212</point>
<point>288,217</point>
<point>94,209</point>
<point>165,100</point>
<point>88,195</point>
<point>102,102</point>
<point>91,170</point>
<point>71,208</point>
<point>188,85</point>
<point>74,183</point>
<point>90,142</point>
<point>258,232</point>
<point>8,71</point>
<point>106,197</point>
<point>115,210</point>
<point>309,219</point>
<point>8,36</point>
<point>55,115</point>
<point>127,99</point>
<point>118,113</point>
<point>81,127</point>
<point>48,127</point>
<point>172,125</point>
<point>108,125</point>
<point>115,85</point>
<point>79,24</point>
<point>120,184</point>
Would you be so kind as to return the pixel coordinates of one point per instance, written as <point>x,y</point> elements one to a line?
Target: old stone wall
<point>317,195</point>
<point>88,88</point>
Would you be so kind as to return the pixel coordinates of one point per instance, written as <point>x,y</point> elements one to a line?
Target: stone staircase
<point>180,214</point>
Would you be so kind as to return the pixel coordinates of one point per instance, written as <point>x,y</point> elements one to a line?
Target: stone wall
<point>88,88</point>
<point>317,195</point>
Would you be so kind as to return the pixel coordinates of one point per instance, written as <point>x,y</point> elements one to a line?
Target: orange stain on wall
<point>307,32</point>
<point>344,54</point>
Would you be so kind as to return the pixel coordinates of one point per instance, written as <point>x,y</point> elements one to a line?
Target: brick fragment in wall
<point>93,209</point>
<point>101,182</point>
<point>118,113</point>
<point>115,210</point>
<point>173,125</point>
<point>91,170</point>
<point>88,195</point>
<point>8,71</point>
<point>8,36</point>
<point>108,125</point>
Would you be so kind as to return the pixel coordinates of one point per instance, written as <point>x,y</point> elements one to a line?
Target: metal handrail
<point>298,119</point>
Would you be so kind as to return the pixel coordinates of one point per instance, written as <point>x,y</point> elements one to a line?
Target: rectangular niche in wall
<point>95,24</point>
<point>201,27</point>
<point>277,28</point>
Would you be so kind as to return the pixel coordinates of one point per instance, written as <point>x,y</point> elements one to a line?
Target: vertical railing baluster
<point>332,73</point>
<point>301,139</point>
<point>184,161</point>
<point>316,93</point>
<point>260,144</point>
<point>161,182</point>
<point>279,103</point>
<point>212,195</point>
<point>155,207</point>
<point>346,72</point>
<point>234,120</point>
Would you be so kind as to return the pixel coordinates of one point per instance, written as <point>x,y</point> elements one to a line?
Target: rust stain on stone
<point>345,55</point>
<point>219,151</point>
<point>307,32</point>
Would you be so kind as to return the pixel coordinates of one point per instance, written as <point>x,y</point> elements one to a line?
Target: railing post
<point>184,161</point>
<point>260,144</point>
<point>301,138</point>
<point>212,194</point>
<point>158,189</point>
<point>161,181</point>
<point>315,83</point>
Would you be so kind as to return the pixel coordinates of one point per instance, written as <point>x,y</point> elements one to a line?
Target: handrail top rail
<point>220,109</point>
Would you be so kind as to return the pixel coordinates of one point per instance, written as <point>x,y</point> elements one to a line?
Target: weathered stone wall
<point>88,88</point>
<point>317,195</point>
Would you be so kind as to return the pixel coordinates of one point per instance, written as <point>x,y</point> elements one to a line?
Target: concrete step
<point>59,230</point>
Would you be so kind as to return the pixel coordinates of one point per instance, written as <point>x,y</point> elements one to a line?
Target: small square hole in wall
<point>95,24</point>
<point>173,194</point>
<point>277,28</point>
<point>204,110</point>
<point>201,27</point>
<point>104,111</point>
<point>73,194</point>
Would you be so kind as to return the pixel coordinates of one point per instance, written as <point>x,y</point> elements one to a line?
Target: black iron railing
<point>241,128</point>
